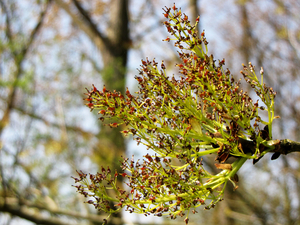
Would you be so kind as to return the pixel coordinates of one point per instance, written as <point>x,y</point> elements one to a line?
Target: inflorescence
<point>201,111</point>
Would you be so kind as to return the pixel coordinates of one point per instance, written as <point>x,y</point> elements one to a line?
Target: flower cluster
<point>200,111</point>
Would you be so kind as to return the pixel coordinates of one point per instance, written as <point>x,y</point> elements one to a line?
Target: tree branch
<point>40,118</point>
<point>284,147</point>
<point>87,27</point>
<point>89,21</point>
<point>7,21</point>
<point>19,58</point>
<point>25,213</point>
<point>288,146</point>
<point>35,30</point>
<point>24,209</point>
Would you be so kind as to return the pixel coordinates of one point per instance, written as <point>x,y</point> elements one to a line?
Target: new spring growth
<point>199,111</point>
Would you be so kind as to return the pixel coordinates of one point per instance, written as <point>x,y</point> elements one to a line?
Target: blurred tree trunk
<point>195,12</point>
<point>114,54</point>
<point>114,46</point>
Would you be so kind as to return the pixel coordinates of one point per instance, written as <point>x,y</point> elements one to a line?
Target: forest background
<point>51,50</point>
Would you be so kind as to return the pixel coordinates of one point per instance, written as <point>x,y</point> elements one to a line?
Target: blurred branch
<point>19,58</point>
<point>293,40</point>
<point>35,31</point>
<point>247,39</point>
<point>8,26</point>
<point>23,209</point>
<point>23,212</point>
<point>93,62</point>
<point>195,12</point>
<point>86,25</point>
<point>28,210</point>
<point>255,207</point>
<point>89,21</point>
<point>69,128</point>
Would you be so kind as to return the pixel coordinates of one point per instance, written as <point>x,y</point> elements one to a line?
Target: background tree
<point>42,189</point>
